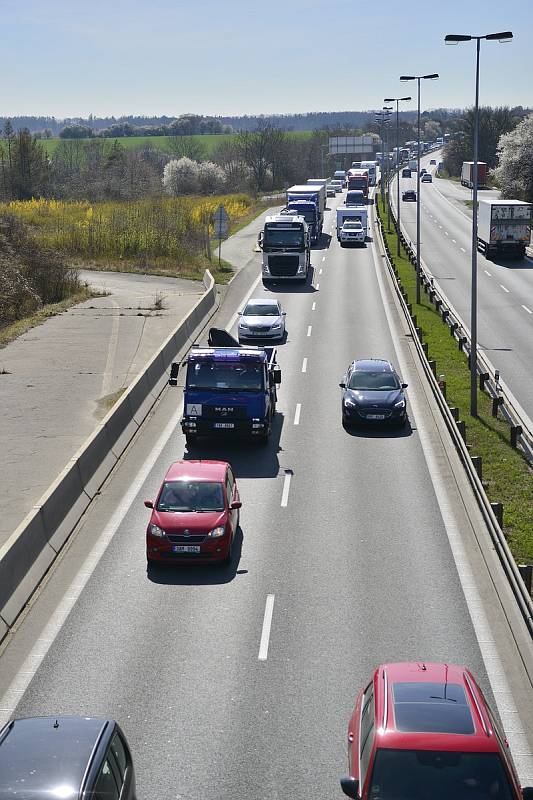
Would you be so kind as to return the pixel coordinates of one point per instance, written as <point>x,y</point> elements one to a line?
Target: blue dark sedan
<point>373,393</point>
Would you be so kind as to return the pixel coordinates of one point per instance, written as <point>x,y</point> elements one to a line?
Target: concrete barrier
<point>31,549</point>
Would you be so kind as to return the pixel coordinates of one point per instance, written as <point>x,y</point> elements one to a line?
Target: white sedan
<point>352,232</point>
<point>262,318</point>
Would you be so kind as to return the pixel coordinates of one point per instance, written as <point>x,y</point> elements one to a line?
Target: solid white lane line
<point>234,318</point>
<point>265,633</point>
<point>487,273</point>
<point>309,329</point>
<point>462,248</point>
<point>286,488</point>
<point>527,309</point>
<point>313,307</point>
<point>297,413</point>
<point>304,365</point>
<point>504,289</point>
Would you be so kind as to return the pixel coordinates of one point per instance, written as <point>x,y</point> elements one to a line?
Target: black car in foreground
<point>65,757</point>
<point>373,393</point>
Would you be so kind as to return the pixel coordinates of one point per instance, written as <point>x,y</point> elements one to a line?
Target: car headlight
<point>217,532</point>
<point>242,324</point>
<point>155,530</point>
<point>276,325</point>
<point>400,404</point>
<point>349,402</point>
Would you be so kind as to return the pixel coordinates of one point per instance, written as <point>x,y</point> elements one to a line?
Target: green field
<point>208,140</point>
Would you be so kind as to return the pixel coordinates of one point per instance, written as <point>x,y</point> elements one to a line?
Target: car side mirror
<point>527,792</point>
<point>174,369</point>
<point>350,787</point>
<point>149,503</point>
<point>239,313</point>
<point>276,375</point>
<point>283,313</point>
<point>236,504</point>
<point>405,385</point>
<point>342,385</point>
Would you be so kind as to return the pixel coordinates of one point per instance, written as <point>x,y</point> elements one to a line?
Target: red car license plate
<point>185,548</point>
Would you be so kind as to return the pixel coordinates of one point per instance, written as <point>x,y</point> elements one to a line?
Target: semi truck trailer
<point>467,174</point>
<point>503,227</point>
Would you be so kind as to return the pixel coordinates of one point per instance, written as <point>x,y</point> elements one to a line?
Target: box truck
<point>359,213</point>
<point>503,227</point>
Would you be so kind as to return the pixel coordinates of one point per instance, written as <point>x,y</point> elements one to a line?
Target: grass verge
<point>10,332</point>
<point>507,476</point>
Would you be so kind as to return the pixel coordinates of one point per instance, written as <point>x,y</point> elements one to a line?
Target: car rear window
<point>432,708</point>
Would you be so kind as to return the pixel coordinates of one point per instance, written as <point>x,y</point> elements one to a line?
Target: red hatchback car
<point>425,732</point>
<point>195,515</point>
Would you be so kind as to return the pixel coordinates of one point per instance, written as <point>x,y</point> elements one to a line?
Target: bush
<point>180,176</point>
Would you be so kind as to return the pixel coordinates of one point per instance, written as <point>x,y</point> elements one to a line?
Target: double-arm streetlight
<point>418,78</point>
<point>504,36</point>
<point>397,100</point>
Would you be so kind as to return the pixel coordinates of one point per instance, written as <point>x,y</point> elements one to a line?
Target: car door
<point>115,780</point>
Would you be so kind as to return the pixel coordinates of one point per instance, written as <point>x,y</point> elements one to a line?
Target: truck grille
<point>283,265</point>
<point>223,412</point>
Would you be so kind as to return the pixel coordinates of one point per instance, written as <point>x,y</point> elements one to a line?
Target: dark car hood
<point>369,399</point>
<point>194,521</point>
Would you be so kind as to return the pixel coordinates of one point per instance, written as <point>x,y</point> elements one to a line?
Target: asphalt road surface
<point>505,288</point>
<point>344,547</point>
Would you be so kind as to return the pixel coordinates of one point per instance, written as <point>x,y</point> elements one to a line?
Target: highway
<point>505,290</point>
<point>358,551</point>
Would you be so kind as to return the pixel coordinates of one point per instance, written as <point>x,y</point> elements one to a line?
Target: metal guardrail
<point>455,427</point>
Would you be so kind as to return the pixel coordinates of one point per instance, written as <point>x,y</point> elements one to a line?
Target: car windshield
<point>373,381</point>
<point>225,375</point>
<point>261,310</point>
<point>438,775</point>
<point>191,496</point>
<point>283,237</point>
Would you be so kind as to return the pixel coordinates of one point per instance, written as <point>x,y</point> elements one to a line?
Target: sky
<point>67,58</point>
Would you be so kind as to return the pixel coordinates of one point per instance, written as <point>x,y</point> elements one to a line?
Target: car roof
<point>372,365</point>
<point>429,706</point>
<point>38,754</point>
<point>262,301</point>
<point>198,470</point>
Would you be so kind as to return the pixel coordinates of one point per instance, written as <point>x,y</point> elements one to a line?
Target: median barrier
<point>24,559</point>
<point>32,547</point>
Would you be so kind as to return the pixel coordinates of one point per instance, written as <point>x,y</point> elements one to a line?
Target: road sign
<point>221,222</point>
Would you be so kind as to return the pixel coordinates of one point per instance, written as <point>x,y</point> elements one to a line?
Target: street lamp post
<point>504,36</point>
<point>322,148</point>
<point>382,119</point>
<point>397,100</point>
<point>418,78</point>
<point>387,109</point>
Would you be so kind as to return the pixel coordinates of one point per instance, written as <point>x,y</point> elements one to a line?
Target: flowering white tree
<point>514,172</point>
<point>180,176</point>
<point>211,177</point>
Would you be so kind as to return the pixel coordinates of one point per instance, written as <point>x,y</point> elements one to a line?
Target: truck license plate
<point>224,425</point>
<point>185,548</point>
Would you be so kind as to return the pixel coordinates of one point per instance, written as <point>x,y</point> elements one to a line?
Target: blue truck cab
<point>230,390</point>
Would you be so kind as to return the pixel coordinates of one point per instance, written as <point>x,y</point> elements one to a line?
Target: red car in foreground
<point>195,515</point>
<point>425,732</point>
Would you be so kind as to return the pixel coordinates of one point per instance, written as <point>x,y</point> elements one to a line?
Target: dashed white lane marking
<point>313,307</point>
<point>286,488</point>
<point>446,233</point>
<point>304,365</point>
<point>462,248</point>
<point>440,226</point>
<point>454,241</point>
<point>323,258</point>
<point>297,413</point>
<point>487,273</point>
<point>320,271</point>
<point>504,289</point>
<point>265,633</point>
<point>527,309</point>
<point>309,329</point>
<point>317,287</point>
